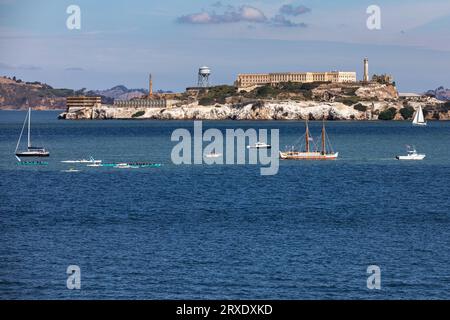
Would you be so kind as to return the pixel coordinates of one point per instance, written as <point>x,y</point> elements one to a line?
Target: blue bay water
<point>224,232</point>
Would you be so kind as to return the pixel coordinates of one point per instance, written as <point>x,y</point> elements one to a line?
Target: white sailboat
<point>31,151</point>
<point>419,119</point>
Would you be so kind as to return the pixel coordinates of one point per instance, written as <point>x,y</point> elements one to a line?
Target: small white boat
<point>419,119</point>
<point>412,155</point>
<point>70,170</point>
<point>125,166</point>
<point>213,155</point>
<point>90,160</point>
<point>260,145</point>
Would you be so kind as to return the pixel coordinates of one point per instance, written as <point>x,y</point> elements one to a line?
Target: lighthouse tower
<point>366,70</point>
<point>150,85</point>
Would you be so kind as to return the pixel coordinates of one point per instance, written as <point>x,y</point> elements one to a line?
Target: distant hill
<point>440,93</point>
<point>121,92</point>
<point>17,94</point>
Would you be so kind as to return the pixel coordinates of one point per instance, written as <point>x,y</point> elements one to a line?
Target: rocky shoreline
<point>261,110</point>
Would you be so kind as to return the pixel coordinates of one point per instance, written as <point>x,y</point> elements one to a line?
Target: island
<point>374,100</point>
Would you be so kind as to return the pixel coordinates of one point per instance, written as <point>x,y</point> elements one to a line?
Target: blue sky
<point>121,41</point>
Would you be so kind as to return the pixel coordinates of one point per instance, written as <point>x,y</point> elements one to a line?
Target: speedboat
<point>412,155</point>
<point>260,145</point>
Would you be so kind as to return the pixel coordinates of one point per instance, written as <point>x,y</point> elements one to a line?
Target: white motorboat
<point>260,145</point>
<point>412,155</point>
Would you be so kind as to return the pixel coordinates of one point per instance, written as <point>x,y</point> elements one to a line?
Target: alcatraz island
<point>334,95</point>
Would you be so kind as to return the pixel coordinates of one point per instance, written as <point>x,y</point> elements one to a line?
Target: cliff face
<point>16,94</point>
<point>343,91</point>
<point>377,91</point>
<point>259,110</point>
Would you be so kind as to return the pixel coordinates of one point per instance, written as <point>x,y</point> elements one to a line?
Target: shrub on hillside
<point>138,114</point>
<point>266,91</point>
<point>349,101</point>
<point>206,101</point>
<point>360,107</point>
<point>387,114</point>
<point>407,112</point>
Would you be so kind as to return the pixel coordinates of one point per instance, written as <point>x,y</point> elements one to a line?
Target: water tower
<point>203,77</point>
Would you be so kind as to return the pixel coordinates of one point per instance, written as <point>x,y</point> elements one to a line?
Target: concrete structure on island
<point>83,102</point>
<point>257,79</point>
<point>141,103</point>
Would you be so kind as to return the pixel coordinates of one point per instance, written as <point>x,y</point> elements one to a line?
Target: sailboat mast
<point>29,123</point>
<point>307,137</point>
<point>21,133</point>
<point>323,136</point>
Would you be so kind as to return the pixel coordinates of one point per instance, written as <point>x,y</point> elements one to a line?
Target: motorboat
<point>412,155</point>
<point>259,145</point>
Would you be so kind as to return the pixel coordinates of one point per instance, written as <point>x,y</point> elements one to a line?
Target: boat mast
<point>21,133</point>
<point>323,136</point>
<point>307,136</point>
<point>29,122</point>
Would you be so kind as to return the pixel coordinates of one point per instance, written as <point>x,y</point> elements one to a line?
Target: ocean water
<point>224,231</point>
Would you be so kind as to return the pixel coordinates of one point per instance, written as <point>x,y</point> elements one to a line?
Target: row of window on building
<point>255,79</point>
<point>89,102</point>
<point>138,103</point>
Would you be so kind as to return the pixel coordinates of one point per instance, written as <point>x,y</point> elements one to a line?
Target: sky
<point>120,42</point>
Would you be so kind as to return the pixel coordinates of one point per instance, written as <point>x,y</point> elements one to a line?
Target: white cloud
<point>245,13</point>
<point>231,14</point>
